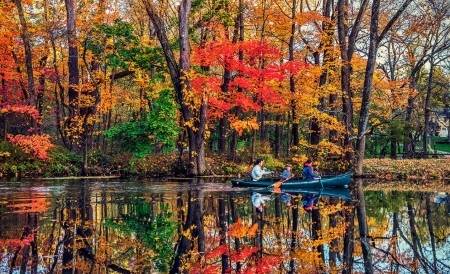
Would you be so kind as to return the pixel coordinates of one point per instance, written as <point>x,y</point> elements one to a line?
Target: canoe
<point>340,192</point>
<point>327,181</point>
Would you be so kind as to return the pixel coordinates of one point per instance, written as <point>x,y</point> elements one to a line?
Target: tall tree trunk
<point>28,55</point>
<point>347,48</point>
<point>278,136</point>
<point>334,245</point>
<point>427,108</point>
<point>71,9</point>
<point>239,29</point>
<point>374,41</point>
<point>196,117</point>
<point>431,231</point>
<point>295,118</point>
<point>317,230</point>
<point>194,217</point>
<point>237,241</point>
<point>223,231</point>
<point>329,57</point>
<point>363,227</point>
<point>408,143</point>
<point>349,235</point>
<point>294,236</point>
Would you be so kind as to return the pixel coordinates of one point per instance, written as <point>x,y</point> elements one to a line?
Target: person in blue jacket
<point>309,200</point>
<point>308,172</point>
<point>286,174</point>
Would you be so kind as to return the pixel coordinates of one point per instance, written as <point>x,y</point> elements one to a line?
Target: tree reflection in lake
<point>201,227</point>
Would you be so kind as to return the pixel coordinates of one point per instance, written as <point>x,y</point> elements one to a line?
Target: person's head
<point>309,161</point>
<point>288,166</point>
<point>259,161</point>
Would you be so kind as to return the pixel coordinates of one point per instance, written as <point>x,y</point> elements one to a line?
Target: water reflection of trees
<point>97,231</point>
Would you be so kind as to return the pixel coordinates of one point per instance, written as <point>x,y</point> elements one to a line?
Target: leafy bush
<point>62,162</point>
<point>15,162</point>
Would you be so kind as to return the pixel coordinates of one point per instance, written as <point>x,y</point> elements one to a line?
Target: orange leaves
<point>241,125</point>
<point>34,205</point>
<point>240,230</point>
<point>37,145</point>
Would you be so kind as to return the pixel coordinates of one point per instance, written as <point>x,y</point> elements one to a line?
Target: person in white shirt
<point>259,171</point>
<point>259,201</point>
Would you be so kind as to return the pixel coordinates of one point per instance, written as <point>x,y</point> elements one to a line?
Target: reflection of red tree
<point>23,214</point>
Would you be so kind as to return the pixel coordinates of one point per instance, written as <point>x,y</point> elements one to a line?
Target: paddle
<point>278,184</point>
<point>320,178</point>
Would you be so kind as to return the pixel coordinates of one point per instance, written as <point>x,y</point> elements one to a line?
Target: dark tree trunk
<point>223,134</point>
<point>317,229</point>
<point>262,124</point>
<point>294,234</point>
<point>427,108</point>
<point>238,34</point>
<point>28,56</point>
<point>234,138</point>
<point>334,245</point>
<point>278,137</point>
<point>223,231</point>
<point>237,241</point>
<point>349,235</point>
<point>198,117</point>
<point>194,217</point>
<point>393,145</point>
<point>363,227</point>
<point>374,41</point>
<point>431,231</point>
<point>347,48</point>
<point>71,9</point>
<point>295,119</point>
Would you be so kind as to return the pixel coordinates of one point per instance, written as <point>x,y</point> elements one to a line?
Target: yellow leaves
<point>5,154</point>
<point>86,100</point>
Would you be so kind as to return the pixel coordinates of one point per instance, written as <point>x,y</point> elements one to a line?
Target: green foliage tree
<point>158,127</point>
<point>156,233</point>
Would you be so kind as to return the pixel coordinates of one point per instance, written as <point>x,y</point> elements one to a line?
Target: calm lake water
<point>206,226</point>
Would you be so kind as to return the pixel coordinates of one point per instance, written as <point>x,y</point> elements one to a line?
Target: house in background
<point>441,123</point>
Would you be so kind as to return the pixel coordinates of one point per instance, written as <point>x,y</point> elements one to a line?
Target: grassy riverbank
<point>410,169</point>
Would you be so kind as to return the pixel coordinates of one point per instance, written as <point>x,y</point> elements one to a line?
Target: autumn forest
<point>171,98</point>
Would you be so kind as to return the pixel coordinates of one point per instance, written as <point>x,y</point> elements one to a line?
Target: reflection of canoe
<point>340,192</point>
<point>326,181</point>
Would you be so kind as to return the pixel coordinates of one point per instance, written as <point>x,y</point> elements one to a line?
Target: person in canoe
<point>259,200</point>
<point>309,200</point>
<point>308,172</point>
<point>285,197</point>
<point>287,173</point>
<point>284,176</point>
<point>259,171</point>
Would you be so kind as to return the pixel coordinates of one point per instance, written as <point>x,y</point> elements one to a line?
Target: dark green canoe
<point>327,181</point>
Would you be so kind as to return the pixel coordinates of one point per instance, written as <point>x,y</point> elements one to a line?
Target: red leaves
<point>255,79</point>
